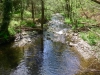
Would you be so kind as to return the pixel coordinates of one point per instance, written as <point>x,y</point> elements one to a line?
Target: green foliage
<point>63,14</point>
<point>30,24</point>
<point>3,35</point>
<point>14,23</point>
<point>27,23</point>
<point>83,22</point>
<point>68,21</point>
<point>27,14</point>
<point>52,6</point>
<point>80,25</point>
<point>73,27</point>
<point>90,36</point>
<point>83,36</point>
<point>16,15</point>
<point>12,26</point>
<point>12,31</point>
<point>88,21</point>
<point>17,12</point>
<point>23,23</point>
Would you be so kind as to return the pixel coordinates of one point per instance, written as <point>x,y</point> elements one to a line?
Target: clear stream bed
<point>56,59</point>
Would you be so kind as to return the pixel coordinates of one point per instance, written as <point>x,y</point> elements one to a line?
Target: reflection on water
<point>31,61</point>
<point>57,60</point>
<point>9,58</point>
<point>21,61</point>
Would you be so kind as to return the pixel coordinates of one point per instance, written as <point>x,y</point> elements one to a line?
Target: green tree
<point>7,11</point>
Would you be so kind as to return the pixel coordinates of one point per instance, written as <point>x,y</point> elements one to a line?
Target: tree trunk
<point>42,22</point>
<point>97,1</point>
<point>22,10</point>
<point>68,8</point>
<point>32,3</point>
<point>28,2</point>
<point>6,18</point>
<point>42,15</point>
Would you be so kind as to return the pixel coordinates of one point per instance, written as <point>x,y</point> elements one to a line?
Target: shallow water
<point>56,59</point>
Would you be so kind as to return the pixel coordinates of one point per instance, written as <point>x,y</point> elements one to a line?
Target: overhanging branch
<point>96,1</point>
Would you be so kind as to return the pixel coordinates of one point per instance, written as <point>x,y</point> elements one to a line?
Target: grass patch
<point>68,21</point>
<point>91,36</point>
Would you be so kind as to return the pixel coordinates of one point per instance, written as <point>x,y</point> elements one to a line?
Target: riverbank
<point>92,37</point>
<point>59,32</point>
<point>79,45</point>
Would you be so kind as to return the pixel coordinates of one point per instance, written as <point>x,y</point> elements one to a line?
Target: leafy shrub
<point>16,15</point>
<point>30,24</point>
<point>12,31</point>
<point>68,21</point>
<point>27,14</point>
<point>12,26</point>
<point>22,23</point>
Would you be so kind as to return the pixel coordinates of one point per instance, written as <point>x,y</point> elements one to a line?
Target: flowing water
<point>55,59</point>
<point>58,59</point>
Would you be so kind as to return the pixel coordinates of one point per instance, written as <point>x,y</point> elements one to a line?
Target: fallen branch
<point>28,28</point>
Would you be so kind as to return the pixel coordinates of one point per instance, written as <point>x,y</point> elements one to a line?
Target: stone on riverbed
<point>79,45</point>
<point>22,39</point>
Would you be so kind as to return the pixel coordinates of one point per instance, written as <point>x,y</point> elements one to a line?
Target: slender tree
<point>22,9</point>
<point>42,22</point>
<point>42,13</point>
<point>33,11</point>
<point>68,8</point>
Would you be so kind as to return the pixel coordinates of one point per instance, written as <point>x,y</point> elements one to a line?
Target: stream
<point>55,59</point>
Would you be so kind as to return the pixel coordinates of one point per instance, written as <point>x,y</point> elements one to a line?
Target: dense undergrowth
<point>16,22</point>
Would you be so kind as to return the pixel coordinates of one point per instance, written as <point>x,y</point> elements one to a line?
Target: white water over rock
<point>57,29</point>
